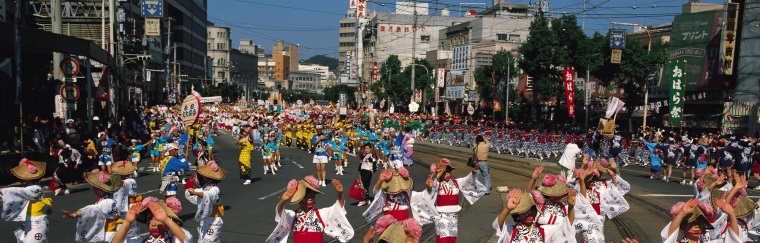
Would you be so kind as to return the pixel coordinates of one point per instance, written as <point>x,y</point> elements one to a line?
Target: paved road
<point>249,214</point>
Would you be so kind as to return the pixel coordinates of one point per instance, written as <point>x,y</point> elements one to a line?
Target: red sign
<point>569,87</point>
<point>69,92</point>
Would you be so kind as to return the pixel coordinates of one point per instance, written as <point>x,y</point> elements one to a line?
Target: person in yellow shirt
<point>245,156</point>
<point>27,199</point>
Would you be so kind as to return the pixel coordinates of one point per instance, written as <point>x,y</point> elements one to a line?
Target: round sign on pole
<point>414,107</point>
<point>69,67</point>
<point>69,92</point>
<point>470,109</point>
<point>191,109</point>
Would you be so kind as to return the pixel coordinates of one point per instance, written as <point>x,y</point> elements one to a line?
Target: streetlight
<point>426,70</point>
<point>649,48</point>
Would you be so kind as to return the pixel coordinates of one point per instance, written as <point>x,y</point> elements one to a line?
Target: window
<point>425,38</point>
<point>220,74</point>
<point>351,34</point>
<point>347,25</point>
<point>346,44</point>
<point>514,38</point>
<point>501,37</point>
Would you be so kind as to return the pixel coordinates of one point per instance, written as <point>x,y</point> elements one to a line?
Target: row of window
<point>347,25</point>
<point>219,46</point>
<point>350,34</point>
<point>343,44</point>
<point>508,37</point>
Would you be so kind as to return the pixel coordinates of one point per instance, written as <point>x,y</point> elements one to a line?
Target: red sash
<point>450,239</point>
<point>399,214</point>
<point>597,206</point>
<point>308,237</point>
<point>448,200</point>
<point>540,231</point>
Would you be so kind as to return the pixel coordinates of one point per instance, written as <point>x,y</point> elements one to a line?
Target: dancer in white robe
<point>605,196</point>
<point>693,219</point>
<point>445,192</point>
<point>209,202</point>
<point>307,223</point>
<point>26,204</point>
<point>164,226</point>
<point>394,196</point>
<point>524,208</point>
<point>127,195</point>
<point>98,222</point>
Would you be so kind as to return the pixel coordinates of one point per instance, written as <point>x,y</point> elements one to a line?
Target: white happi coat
<point>521,234</point>
<point>165,238</point>
<point>556,215</point>
<point>730,237</point>
<point>447,218</point>
<point>611,201</point>
<point>210,228</point>
<point>330,220</point>
<point>16,202</point>
<point>91,226</point>
<point>127,190</point>
<point>422,208</point>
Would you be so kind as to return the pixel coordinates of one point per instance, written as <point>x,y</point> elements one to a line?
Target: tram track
<point>624,229</point>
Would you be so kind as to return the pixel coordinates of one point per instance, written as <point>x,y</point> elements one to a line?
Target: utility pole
<point>168,61</point>
<point>57,29</point>
<point>414,47</point>
<point>509,80</point>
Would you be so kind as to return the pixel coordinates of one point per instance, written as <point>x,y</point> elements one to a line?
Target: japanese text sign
<point>569,87</point>
<point>677,91</point>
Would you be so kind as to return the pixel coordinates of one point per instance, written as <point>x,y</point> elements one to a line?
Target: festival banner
<point>677,91</point>
<point>569,87</point>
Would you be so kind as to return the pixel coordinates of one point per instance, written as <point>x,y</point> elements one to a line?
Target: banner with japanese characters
<point>569,87</point>
<point>677,91</point>
<point>696,38</point>
<point>361,9</point>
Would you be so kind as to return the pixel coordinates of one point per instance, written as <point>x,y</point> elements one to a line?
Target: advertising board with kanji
<point>191,109</point>
<point>569,88</point>
<point>677,91</point>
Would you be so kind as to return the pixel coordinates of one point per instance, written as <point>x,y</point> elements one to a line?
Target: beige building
<point>346,39</point>
<point>218,49</point>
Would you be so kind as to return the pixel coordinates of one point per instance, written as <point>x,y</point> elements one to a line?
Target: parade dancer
<point>135,154</point>
<point>407,145</point>
<point>321,150</point>
<point>245,157</point>
<point>69,161</point>
<point>127,195</point>
<point>26,204</point>
<point>163,224</point>
<point>307,223</point>
<point>98,222</point>
<point>367,167</point>
<point>524,208</point>
<point>394,231</point>
<point>445,192</point>
<point>105,146</point>
<point>567,160</point>
<point>209,202</point>
<point>605,196</point>
<point>170,169</point>
<point>267,153</point>
<point>554,212</point>
<point>394,196</point>
<point>338,149</point>
<point>694,219</point>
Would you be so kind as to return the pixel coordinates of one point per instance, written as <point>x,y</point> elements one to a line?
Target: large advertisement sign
<point>677,91</point>
<point>695,40</point>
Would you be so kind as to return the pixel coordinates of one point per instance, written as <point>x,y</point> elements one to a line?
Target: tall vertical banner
<point>441,77</point>
<point>569,87</point>
<point>677,91</point>
<point>361,9</point>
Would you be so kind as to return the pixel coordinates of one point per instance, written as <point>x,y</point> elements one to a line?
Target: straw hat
<point>699,215</point>
<point>122,168</point>
<point>743,207</point>
<point>107,182</point>
<point>142,217</point>
<point>397,183</point>
<point>29,170</point>
<point>395,233</point>
<point>212,170</point>
<point>551,186</point>
<point>526,203</point>
<point>307,183</point>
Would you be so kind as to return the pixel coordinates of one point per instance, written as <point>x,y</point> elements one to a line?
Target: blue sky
<point>314,23</point>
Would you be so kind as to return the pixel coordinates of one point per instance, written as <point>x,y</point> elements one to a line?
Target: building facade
<point>346,40</point>
<point>306,81</point>
<point>219,45</point>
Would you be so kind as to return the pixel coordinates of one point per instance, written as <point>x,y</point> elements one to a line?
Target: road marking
<point>678,195</point>
<point>296,163</point>
<point>273,194</point>
<point>148,191</point>
<point>142,168</point>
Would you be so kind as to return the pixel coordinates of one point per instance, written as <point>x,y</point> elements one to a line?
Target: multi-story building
<point>346,39</point>
<point>281,70</point>
<point>323,71</point>
<point>290,50</point>
<point>247,47</point>
<point>306,81</point>
<point>219,44</point>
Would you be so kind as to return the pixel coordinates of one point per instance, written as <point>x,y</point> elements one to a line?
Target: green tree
<point>484,77</point>
<point>422,80</point>
<point>330,62</point>
<point>332,93</point>
<point>389,81</point>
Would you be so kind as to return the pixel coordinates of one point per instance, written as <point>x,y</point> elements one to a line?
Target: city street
<point>249,210</point>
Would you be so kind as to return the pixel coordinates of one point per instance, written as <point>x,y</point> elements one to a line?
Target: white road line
<point>142,169</point>
<point>296,163</point>
<point>678,195</point>
<point>273,194</point>
<point>148,191</point>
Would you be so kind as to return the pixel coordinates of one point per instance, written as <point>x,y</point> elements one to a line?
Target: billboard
<point>457,78</point>
<point>696,39</point>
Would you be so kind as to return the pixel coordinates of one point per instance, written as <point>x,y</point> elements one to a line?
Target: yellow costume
<point>245,156</point>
